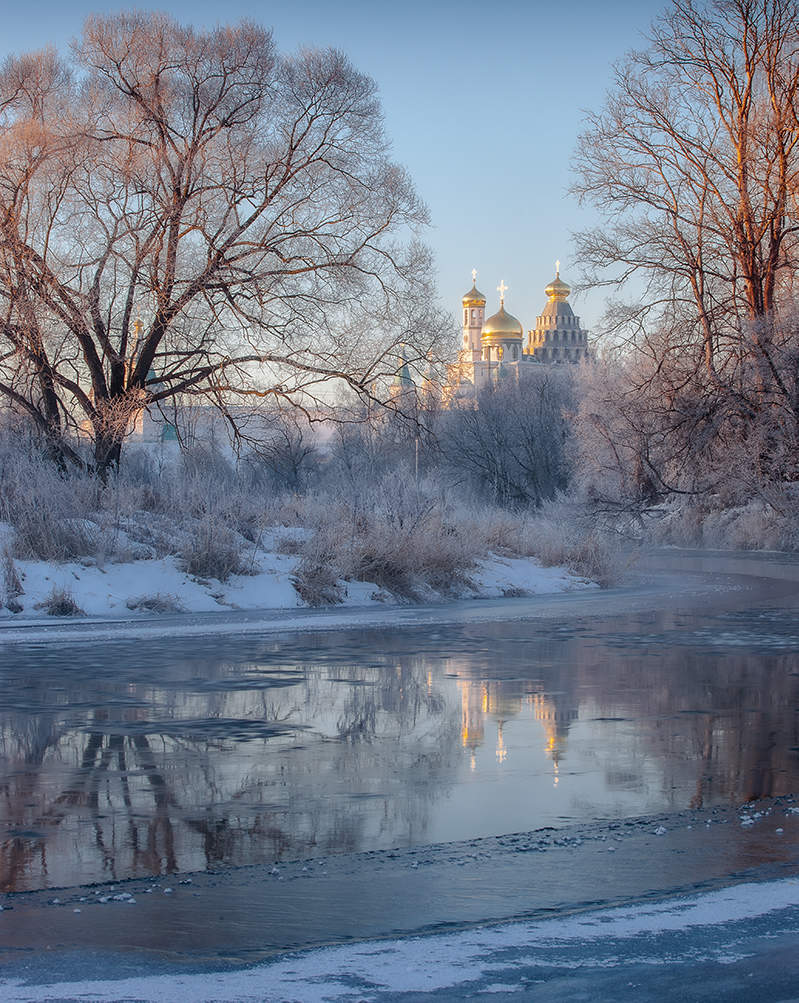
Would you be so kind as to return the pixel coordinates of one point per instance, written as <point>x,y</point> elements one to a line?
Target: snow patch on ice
<point>448,961</point>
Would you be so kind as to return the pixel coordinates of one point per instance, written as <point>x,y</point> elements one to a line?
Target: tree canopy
<point>693,163</point>
<point>194,213</point>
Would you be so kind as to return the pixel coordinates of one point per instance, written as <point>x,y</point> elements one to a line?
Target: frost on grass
<point>402,536</point>
<point>367,523</point>
<point>60,602</point>
<point>214,551</point>
<point>10,584</point>
<point>158,603</point>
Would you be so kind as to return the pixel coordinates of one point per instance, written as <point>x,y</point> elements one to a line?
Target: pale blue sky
<point>483,104</point>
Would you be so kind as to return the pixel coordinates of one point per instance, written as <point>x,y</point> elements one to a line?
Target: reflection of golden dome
<point>474,297</point>
<point>501,327</point>
<point>557,289</point>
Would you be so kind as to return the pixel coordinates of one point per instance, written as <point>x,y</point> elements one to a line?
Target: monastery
<point>496,347</point>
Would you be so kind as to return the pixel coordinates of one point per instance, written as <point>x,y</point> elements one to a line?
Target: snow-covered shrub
<point>10,584</point>
<point>316,576</point>
<point>400,535</point>
<point>289,544</point>
<point>762,523</point>
<point>212,549</point>
<point>158,603</point>
<point>567,535</point>
<point>46,508</point>
<point>60,602</point>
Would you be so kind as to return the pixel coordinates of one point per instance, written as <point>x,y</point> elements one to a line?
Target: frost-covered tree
<point>194,214</point>
<point>511,444</point>
<point>694,164</point>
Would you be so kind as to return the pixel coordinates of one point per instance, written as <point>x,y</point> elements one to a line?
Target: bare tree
<point>694,163</point>
<point>513,446</point>
<point>242,203</point>
<point>288,450</point>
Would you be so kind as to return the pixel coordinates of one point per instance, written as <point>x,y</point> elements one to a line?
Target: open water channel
<point>266,777</point>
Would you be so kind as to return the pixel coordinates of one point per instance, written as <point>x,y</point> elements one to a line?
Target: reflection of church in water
<point>502,702</point>
<point>496,347</point>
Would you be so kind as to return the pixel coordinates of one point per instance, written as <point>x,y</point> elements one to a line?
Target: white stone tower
<point>474,308</point>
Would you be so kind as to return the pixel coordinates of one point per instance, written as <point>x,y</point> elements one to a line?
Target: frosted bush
<point>763,523</point>
<point>566,535</point>
<point>212,549</point>
<point>413,536</point>
<point>401,536</point>
<point>10,584</point>
<point>158,603</point>
<point>60,602</point>
<point>316,576</point>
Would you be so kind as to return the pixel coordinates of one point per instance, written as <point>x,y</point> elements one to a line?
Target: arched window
<point>465,316</point>
<point>474,314</point>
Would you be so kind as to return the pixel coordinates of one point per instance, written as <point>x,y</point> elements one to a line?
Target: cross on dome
<point>557,269</point>
<point>502,289</point>
<point>474,275</point>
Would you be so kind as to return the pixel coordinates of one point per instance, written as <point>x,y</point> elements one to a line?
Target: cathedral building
<point>496,347</point>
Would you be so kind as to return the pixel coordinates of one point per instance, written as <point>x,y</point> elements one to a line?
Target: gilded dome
<point>474,297</point>
<point>557,288</point>
<point>502,326</point>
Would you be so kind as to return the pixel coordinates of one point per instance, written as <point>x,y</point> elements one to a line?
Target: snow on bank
<point>717,924</point>
<point>518,576</point>
<point>128,590</point>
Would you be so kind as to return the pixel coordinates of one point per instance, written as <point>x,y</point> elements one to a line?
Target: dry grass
<point>60,602</point>
<point>414,540</point>
<point>159,603</point>
<point>401,536</point>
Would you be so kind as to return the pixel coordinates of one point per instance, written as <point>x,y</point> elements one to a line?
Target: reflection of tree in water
<point>110,769</point>
<point>720,725</point>
<point>146,765</point>
<point>245,764</point>
<point>723,725</point>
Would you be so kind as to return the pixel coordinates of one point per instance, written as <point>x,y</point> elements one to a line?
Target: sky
<point>483,104</point>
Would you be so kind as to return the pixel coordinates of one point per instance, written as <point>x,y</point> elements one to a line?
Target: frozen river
<point>279,771</point>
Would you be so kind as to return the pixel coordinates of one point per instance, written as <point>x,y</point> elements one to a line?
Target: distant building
<point>496,347</point>
<point>403,391</point>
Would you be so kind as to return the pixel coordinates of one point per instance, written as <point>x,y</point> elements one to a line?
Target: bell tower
<point>474,308</point>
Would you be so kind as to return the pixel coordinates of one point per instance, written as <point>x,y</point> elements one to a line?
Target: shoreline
<point>221,921</point>
<point>642,596</point>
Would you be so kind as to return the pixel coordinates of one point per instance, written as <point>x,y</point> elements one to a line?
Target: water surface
<point>136,758</point>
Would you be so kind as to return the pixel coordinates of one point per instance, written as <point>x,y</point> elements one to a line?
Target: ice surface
<point>708,928</point>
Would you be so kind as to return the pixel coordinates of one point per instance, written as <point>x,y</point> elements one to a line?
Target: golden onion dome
<point>502,326</point>
<point>557,288</point>
<point>474,297</point>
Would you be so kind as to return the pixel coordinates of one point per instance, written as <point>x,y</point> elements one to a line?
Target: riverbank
<point>641,593</point>
<point>145,590</point>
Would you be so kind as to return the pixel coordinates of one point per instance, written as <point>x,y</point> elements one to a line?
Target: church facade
<point>497,347</point>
